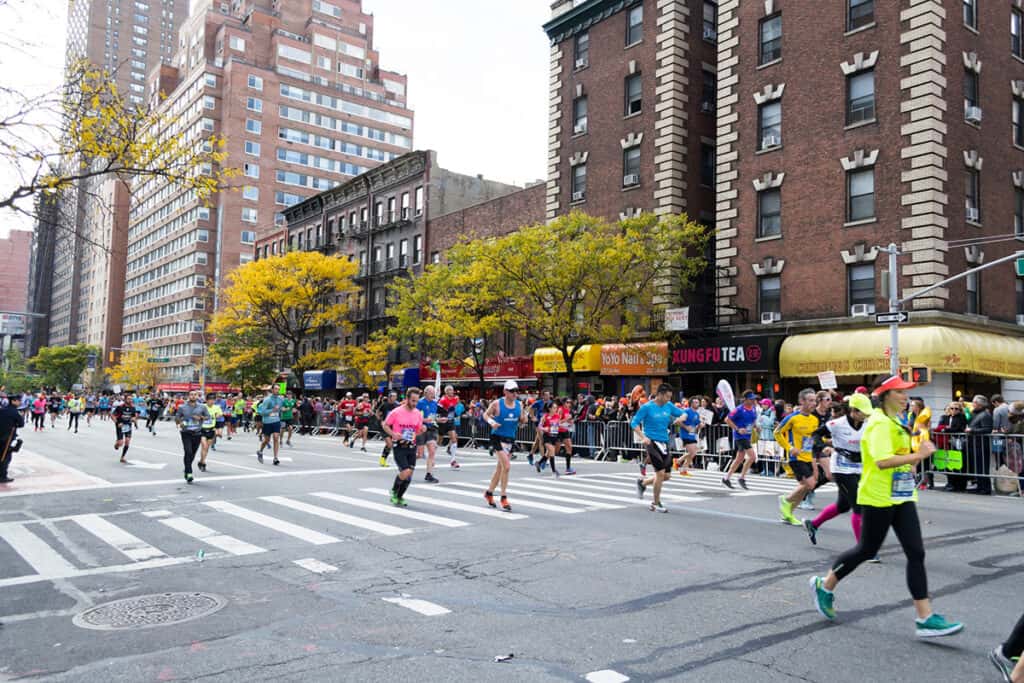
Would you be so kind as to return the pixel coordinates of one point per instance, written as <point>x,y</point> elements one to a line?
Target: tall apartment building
<point>296,90</point>
<point>847,126</point>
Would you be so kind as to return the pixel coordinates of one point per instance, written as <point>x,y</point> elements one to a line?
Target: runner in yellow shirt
<point>795,434</point>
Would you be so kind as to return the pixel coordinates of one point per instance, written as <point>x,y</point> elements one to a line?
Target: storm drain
<point>149,611</point>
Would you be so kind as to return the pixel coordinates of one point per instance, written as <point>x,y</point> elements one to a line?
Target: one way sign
<point>891,317</point>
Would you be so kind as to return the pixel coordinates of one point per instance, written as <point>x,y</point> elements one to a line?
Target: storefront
<point>624,366</point>
<point>185,387</point>
<point>549,365</point>
<point>464,376</point>
<point>696,364</point>
<point>320,380</point>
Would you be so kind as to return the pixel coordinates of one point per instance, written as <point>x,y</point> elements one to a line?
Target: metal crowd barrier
<point>983,462</point>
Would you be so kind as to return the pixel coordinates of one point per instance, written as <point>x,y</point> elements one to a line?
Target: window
<point>209,102</point>
<point>252,148</point>
<point>207,124</point>
<point>255,82</point>
<point>631,166</point>
<point>769,123</point>
<point>253,126</point>
<point>294,54</point>
<point>1018,213</point>
<point>248,237</point>
<point>707,165</point>
<point>202,235</point>
<point>1018,122</point>
<point>634,95</point>
<point>251,193</point>
<point>405,205</point>
<point>582,50</point>
<point>1016,28</point>
<point>391,209</point>
<point>377,253</point>
<point>709,92</point>
<point>971,87</point>
<point>327,8</point>
<point>973,195</point>
<point>859,13</point>
<point>389,252</point>
<point>417,249</point>
<point>251,170</point>
<point>710,32</point>
<point>635,25</point>
<point>579,182</point>
<point>771,39</point>
<point>419,201</point>
<point>860,97</point>
<point>860,284</point>
<point>769,294</point>
<point>971,13</point>
<point>403,253</point>
<point>1020,298</point>
<point>769,213</point>
<point>248,214</point>
<point>209,79</point>
<point>323,62</point>
<point>254,104</point>
<point>973,285</point>
<point>860,192</point>
<point>236,43</point>
<point>579,115</point>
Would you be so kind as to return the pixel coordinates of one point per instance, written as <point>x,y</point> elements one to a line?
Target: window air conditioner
<point>973,114</point>
<point>578,196</point>
<point>579,129</point>
<point>707,107</point>
<point>770,141</point>
<point>631,180</point>
<point>862,310</point>
<point>710,34</point>
<point>582,62</point>
<point>973,214</point>
<point>771,317</point>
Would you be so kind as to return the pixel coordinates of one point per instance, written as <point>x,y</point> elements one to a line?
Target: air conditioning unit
<point>631,180</point>
<point>1020,319</point>
<point>862,310</point>
<point>707,107</point>
<point>973,214</point>
<point>578,196</point>
<point>710,34</point>
<point>770,141</point>
<point>582,62</point>
<point>972,114</point>
<point>769,318</point>
<point>579,129</point>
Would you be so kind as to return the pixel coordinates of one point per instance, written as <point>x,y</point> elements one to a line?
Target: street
<point>312,576</point>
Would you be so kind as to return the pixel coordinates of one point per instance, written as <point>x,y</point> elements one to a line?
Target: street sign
<point>1019,265</point>
<point>897,317</point>
<point>677,319</point>
<point>159,360</point>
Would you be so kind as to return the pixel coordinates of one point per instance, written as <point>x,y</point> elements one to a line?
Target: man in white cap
<point>504,416</point>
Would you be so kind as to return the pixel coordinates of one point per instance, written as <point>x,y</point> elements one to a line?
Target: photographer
<point>10,421</point>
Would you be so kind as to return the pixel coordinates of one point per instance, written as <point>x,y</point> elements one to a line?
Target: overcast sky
<point>478,74</point>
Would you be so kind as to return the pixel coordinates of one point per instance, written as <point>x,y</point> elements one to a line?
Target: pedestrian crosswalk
<point>41,550</point>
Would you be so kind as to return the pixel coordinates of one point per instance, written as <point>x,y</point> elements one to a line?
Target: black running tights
<point>876,523</point>
<point>1014,645</point>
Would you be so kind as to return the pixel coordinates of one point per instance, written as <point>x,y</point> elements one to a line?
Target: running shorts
<point>551,439</point>
<point>503,443</point>
<point>90,410</point>
<point>741,445</point>
<point>801,470</point>
<point>405,458</point>
<point>286,422</point>
<point>271,428</point>
<point>207,433</point>
<point>123,431</point>
<point>661,462</point>
<point>426,437</point>
<point>362,422</point>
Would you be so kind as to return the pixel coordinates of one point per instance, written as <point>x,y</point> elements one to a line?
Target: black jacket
<point>10,421</point>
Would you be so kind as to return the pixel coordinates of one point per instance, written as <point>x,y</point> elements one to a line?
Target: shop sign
<point>634,360</point>
<point>677,319</point>
<point>508,367</point>
<point>724,354</point>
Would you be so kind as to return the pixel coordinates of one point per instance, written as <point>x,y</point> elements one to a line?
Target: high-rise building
<point>297,91</point>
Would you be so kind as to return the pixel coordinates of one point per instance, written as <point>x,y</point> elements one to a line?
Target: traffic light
<point>110,357</point>
<point>919,375</point>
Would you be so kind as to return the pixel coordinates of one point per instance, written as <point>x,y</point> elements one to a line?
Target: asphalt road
<point>321,580</point>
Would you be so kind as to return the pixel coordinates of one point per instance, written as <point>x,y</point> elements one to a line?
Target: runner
<point>104,407</point>
<point>364,409</point>
<point>76,405</point>
<point>447,408</point>
<point>651,424</point>
<point>822,411</point>
<point>548,428</point>
<point>237,415</point>
<point>269,411</point>
<point>427,440</point>
<point>403,425</point>
<point>287,417</point>
<point>125,416</point>
<point>843,436</point>
<point>384,410</point>
<point>39,413</point>
<point>210,440</point>
<point>565,430</point>
<point>795,434</point>
<point>538,409</point>
<point>688,430</point>
<point>90,409</point>
<point>1003,656</point>
<point>190,417</point>
<point>887,495</point>
<point>154,408</point>
<point>347,408</point>
<point>504,415</point>
<point>742,421</point>
<point>54,406</point>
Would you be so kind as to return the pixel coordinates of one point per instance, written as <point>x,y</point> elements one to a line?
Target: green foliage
<point>16,377</point>
<point>62,366</point>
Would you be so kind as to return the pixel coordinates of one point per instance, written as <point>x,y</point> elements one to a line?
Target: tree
<point>282,302</point>
<point>244,358</point>
<point>364,365</point>
<point>581,280</point>
<point>16,377</point>
<point>62,366</point>
<point>136,369</point>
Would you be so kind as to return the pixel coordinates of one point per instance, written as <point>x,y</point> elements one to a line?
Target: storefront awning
<point>865,352</point>
<point>549,360</point>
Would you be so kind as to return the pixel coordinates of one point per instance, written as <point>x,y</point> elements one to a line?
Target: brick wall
<point>490,219</point>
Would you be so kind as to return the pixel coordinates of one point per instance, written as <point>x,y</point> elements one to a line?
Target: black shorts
<point>741,445</point>
<point>552,440</point>
<point>207,433</point>
<point>55,411</point>
<point>271,428</point>
<point>801,470</point>
<point>286,422</point>
<point>661,462</point>
<point>362,422</point>
<point>122,433</point>
<point>405,458</point>
<point>90,410</point>
<point>503,443</point>
<point>426,437</point>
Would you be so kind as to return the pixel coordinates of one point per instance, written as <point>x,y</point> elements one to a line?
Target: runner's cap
<point>861,402</point>
<point>894,383</point>
<point>511,385</point>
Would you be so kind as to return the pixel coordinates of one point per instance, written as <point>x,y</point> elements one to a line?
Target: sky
<point>477,69</point>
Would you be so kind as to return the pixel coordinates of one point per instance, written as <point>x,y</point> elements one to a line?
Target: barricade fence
<point>982,462</point>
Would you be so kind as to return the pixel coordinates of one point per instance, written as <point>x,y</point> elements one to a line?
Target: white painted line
<point>448,490</point>
<point>578,489</point>
<point>223,463</point>
<point>315,566</point>
<point>205,534</point>
<point>287,528</point>
<point>34,550</point>
<point>451,505</point>
<point>340,517</point>
<point>95,571</point>
<point>133,547</point>
<point>153,514</point>
<point>606,676</point>
<point>392,510</point>
<point>427,609</point>
<point>143,465</point>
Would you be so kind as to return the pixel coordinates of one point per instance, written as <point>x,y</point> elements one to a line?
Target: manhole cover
<point>148,611</point>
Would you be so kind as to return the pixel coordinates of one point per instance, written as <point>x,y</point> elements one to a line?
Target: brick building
<point>493,218</point>
<point>15,250</point>
<point>846,126</point>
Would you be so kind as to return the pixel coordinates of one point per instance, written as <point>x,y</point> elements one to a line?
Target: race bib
<point>126,428</point>
<point>553,429</point>
<point>807,445</point>
<point>902,485</point>
<point>408,434</point>
<point>661,447</point>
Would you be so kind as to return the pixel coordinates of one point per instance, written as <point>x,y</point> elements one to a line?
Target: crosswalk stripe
<point>34,550</point>
<point>287,528</point>
<point>611,487</point>
<point>133,547</point>
<point>228,544</point>
<point>315,566</point>
<point>573,489</point>
<point>451,505</point>
<point>340,517</point>
<point>714,483</point>
<point>529,503</point>
<point>392,510</point>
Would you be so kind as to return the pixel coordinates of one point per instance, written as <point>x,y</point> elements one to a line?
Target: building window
<point>972,98</point>
<point>251,193</point>
<point>579,115</point>
<point>582,50</point>
<point>248,214</point>
<point>710,32</point>
<point>435,257</point>
<point>709,92</point>
<point>973,284</point>
<point>771,39</point>
<point>255,82</point>
<point>417,249</point>
<point>579,182</point>
<point>236,43</point>
<point>1018,213</point>
<point>707,165</point>
<point>403,253</point>
<point>769,213</point>
<point>635,25</point>
<point>252,148</point>
<point>251,170</point>
<point>860,192</point>
<point>859,13</point>
<point>248,237</point>
<point>860,284</point>
<point>253,126</point>
<point>254,104</point>
<point>973,195</point>
<point>389,251</point>
<point>769,123</point>
<point>1018,122</point>
<point>769,294</point>
<point>860,97</point>
<point>634,95</point>
<point>971,13</point>
<point>1016,29</point>
<point>631,166</point>
<point>208,102</point>
<point>405,205</point>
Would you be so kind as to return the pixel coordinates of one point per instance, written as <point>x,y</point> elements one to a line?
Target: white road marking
<point>574,489</point>
<point>34,550</point>
<point>94,571</point>
<point>132,547</point>
<point>205,534</point>
<point>606,676</point>
<point>293,530</point>
<point>451,505</point>
<point>392,510</point>
<point>156,513</point>
<point>427,609</point>
<point>235,465</point>
<point>315,566</point>
<point>545,506</point>
<point>143,465</point>
<point>340,517</point>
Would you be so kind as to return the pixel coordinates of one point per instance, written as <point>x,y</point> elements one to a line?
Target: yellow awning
<point>864,352</point>
<point>549,360</point>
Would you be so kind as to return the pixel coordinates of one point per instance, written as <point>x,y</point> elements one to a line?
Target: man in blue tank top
<point>504,415</point>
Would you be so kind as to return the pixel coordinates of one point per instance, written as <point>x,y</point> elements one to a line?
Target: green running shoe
<point>402,503</point>
<point>786,510</point>
<point>823,599</point>
<point>936,626</point>
<point>394,498</point>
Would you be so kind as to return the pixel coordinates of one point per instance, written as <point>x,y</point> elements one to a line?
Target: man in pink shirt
<point>403,425</point>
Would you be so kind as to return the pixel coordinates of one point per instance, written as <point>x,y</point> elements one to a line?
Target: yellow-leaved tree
<point>137,370</point>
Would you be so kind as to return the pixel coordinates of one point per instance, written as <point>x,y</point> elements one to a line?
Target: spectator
<point>979,431</point>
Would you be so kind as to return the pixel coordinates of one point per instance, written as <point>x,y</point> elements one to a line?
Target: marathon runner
<point>822,411</point>
<point>651,424</point>
<point>39,413</point>
<point>688,430</point>
<point>125,416</point>
<point>364,409</point>
<point>54,406</point>
<point>190,417</point>
<point>403,425</point>
<point>76,405</point>
<point>269,411</point>
<point>104,407</point>
<point>385,408</point>
<point>427,440</point>
<point>548,428</point>
<point>237,414</point>
<point>504,415</point>
<point>210,439</point>
<point>447,407</point>
<point>887,495</point>
<point>565,430</point>
<point>287,417</point>
<point>90,409</point>
<point>795,434</point>
<point>154,408</point>
<point>347,408</point>
<point>1003,656</point>
<point>742,420</point>
<point>538,409</point>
